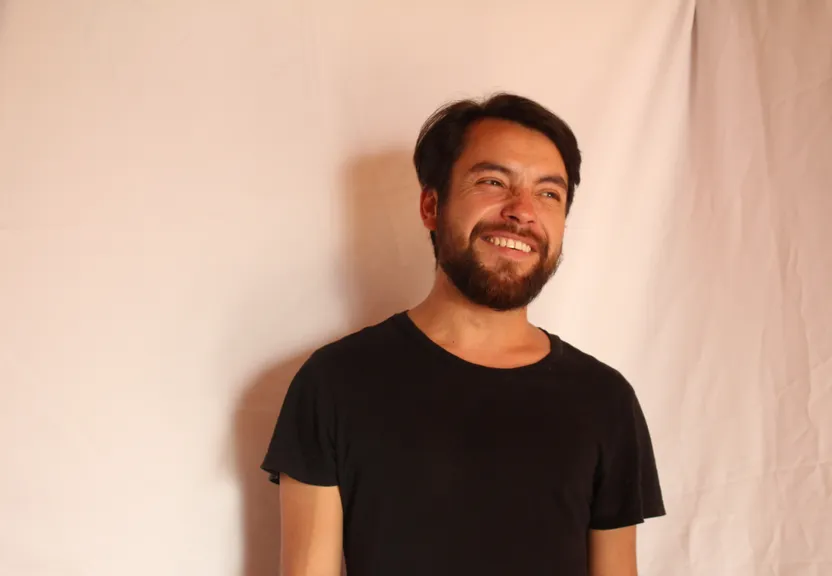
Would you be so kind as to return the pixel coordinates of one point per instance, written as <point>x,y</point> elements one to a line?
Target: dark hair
<point>442,138</point>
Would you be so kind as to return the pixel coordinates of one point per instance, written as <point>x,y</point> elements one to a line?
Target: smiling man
<point>456,437</point>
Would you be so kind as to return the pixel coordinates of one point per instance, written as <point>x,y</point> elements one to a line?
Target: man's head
<point>498,178</point>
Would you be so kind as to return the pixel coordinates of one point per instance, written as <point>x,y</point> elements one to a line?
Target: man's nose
<point>520,208</point>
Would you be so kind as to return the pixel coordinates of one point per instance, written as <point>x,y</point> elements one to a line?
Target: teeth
<point>510,243</point>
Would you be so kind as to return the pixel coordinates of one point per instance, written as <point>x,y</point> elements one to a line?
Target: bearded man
<point>456,437</point>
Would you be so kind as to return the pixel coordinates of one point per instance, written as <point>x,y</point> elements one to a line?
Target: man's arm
<point>613,552</point>
<point>311,528</point>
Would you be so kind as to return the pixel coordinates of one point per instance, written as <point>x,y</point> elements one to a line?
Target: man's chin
<point>509,269</point>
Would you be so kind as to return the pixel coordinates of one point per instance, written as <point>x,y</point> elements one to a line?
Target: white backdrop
<point>195,195</point>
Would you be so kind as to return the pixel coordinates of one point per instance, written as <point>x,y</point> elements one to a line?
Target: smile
<point>510,243</point>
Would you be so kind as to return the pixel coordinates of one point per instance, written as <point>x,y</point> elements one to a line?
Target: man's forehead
<point>511,145</point>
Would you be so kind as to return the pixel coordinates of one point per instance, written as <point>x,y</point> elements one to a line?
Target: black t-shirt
<point>446,467</point>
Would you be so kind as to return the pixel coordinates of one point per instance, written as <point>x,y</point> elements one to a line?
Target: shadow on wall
<point>389,258</point>
<point>387,266</point>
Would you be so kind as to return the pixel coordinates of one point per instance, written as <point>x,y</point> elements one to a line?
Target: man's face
<point>500,231</point>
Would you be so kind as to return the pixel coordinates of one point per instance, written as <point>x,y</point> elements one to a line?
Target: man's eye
<point>491,182</point>
<point>551,194</point>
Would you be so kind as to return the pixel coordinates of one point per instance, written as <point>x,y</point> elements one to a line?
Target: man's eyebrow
<point>555,179</point>
<point>491,167</point>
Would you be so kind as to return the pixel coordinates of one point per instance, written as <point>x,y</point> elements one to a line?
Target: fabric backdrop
<point>195,195</point>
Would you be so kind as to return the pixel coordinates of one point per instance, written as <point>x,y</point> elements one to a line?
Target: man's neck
<point>449,318</point>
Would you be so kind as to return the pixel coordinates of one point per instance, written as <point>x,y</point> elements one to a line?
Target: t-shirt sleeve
<point>303,442</point>
<point>627,489</point>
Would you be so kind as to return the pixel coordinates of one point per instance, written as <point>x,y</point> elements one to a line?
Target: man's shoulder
<point>593,373</point>
<point>360,345</point>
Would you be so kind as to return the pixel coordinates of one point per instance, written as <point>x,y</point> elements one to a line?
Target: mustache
<point>512,228</point>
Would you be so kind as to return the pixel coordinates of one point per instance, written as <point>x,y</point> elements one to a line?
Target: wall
<point>195,195</point>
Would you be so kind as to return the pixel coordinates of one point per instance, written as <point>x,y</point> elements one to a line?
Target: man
<point>457,438</point>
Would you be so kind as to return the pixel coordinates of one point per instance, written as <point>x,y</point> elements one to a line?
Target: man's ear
<point>429,207</point>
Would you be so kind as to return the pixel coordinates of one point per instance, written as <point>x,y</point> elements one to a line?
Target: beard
<point>502,287</point>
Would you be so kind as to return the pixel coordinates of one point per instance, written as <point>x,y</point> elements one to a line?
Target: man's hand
<point>311,528</point>
<point>613,552</point>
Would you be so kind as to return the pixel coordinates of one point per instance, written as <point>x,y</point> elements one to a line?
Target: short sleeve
<point>303,442</point>
<point>627,489</point>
